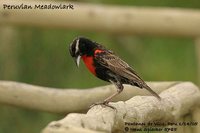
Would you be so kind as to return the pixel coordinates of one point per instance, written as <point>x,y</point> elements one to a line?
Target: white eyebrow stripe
<point>76,48</point>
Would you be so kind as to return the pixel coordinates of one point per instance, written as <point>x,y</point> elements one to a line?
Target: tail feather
<point>152,92</point>
<point>141,84</point>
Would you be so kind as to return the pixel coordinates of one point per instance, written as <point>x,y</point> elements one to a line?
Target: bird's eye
<point>74,48</point>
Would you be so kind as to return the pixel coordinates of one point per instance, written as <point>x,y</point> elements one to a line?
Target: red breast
<point>89,62</point>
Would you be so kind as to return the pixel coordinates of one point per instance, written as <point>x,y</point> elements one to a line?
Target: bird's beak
<point>77,60</point>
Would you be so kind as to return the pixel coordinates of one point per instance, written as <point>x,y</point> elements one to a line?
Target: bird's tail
<point>152,92</point>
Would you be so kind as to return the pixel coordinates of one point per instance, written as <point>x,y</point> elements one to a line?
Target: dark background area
<point>40,56</point>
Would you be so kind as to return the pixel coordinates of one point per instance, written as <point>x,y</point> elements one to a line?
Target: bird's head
<point>81,46</point>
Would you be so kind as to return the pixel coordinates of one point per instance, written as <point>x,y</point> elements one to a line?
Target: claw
<point>103,104</point>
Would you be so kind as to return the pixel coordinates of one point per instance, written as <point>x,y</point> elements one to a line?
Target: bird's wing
<point>118,66</point>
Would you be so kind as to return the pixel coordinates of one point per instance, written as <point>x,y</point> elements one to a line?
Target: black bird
<point>105,65</point>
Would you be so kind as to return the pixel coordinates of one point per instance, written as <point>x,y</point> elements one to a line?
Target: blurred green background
<point>40,56</point>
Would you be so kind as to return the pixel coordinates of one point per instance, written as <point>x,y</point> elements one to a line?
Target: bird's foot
<point>103,104</point>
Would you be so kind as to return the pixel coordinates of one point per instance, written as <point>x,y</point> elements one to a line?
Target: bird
<point>107,66</point>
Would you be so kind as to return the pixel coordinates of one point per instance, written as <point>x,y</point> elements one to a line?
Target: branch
<point>176,101</point>
<point>66,100</point>
<point>112,19</point>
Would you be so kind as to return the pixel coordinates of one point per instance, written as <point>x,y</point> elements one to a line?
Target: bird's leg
<point>119,87</point>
